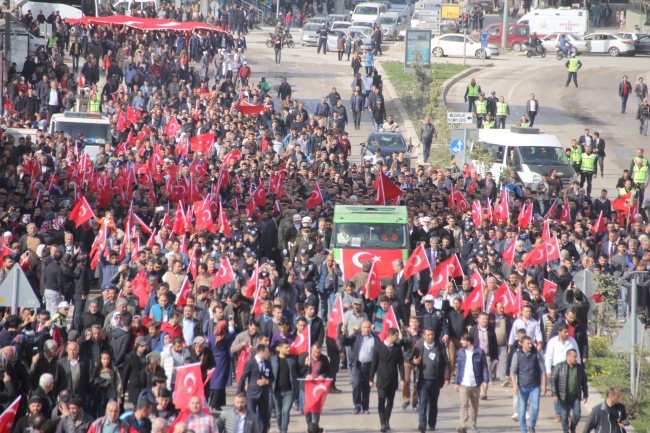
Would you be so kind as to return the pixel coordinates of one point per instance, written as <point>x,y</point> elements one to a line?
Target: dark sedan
<point>642,44</point>
<point>387,142</point>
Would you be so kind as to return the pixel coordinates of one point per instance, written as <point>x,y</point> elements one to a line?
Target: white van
<point>548,21</point>
<point>96,129</point>
<point>530,152</point>
<point>368,12</point>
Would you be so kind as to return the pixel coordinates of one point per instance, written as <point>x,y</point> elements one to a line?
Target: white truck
<point>548,21</point>
<point>96,129</point>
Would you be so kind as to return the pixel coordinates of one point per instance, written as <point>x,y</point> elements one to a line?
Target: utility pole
<point>464,43</point>
<point>504,26</point>
<point>633,318</point>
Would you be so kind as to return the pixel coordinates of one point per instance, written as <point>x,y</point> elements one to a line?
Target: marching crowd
<point>207,226</point>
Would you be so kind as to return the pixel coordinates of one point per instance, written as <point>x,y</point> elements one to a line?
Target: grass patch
<point>418,107</point>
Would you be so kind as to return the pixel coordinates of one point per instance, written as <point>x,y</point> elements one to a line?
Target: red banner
<point>352,260</point>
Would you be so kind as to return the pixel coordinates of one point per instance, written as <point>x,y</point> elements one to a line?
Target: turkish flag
<point>202,142</point>
<point>552,211</point>
<point>503,295</point>
<point>390,321</point>
<point>193,267</point>
<point>477,213</point>
<point>257,304</point>
<point>4,249</point>
<point>185,291</point>
<point>471,189</point>
<point>302,343</point>
<point>172,127</point>
<point>250,109</point>
<point>179,221</point>
<point>474,300</point>
<point>253,282</point>
<point>352,261</point>
<point>316,392</point>
<point>599,227</point>
<point>416,263</point>
<point>454,270</point>
<point>372,285</point>
<point>203,215</point>
<point>546,231</point>
<point>315,199</point>
<point>233,155</point>
<point>597,297</point>
<point>509,252</point>
<point>439,281</point>
<point>517,305</point>
<point>81,212</point>
<point>131,115</point>
<point>244,356</point>
<point>224,225</point>
<point>622,203</point>
<point>140,286</point>
<point>525,216</point>
<point>224,275</point>
<point>56,335</point>
<point>476,281</point>
<point>9,415</point>
<point>501,211</point>
<point>488,210</point>
<point>260,195</point>
<point>460,201</point>
<point>336,318</point>
<point>543,253</point>
<point>550,288</point>
<point>566,212</point>
<point>384,190</point>
<point>189,383</point>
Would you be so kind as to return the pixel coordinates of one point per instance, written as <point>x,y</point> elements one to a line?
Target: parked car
<point>451,44</point>
<point>387,142</point>
<point>340,25</point>
<point>517,35</point>
<point>392,23</point>
<point>488,6</point>
<point>405,6</point>
<point>642,44</point>
<point>604,43</point>
<point>333,38</point>
<point>309,35</point>
<point>630,35</point>
<point>580,45</point>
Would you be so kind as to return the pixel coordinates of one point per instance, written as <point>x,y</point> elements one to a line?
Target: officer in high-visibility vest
<point>639,157</point>
<point>524,122</point>
<point>480,110</point>
<point>628,188</point>
<point>503,111</point>
<point>94,105</point>
<point>640,178</point>
<point>573,64</point>
<point>471,94</point>
<point>575,155</point>
<point>587,168</point>
<point>488,123</point>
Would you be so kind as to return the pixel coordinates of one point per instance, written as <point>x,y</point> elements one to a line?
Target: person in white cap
<point>59,319</point>
<point>205,67</point>
<point>289,237</point>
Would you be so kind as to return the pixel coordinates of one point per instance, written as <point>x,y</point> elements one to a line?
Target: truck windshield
<point>533,155</point>
<point>366,10</point>
<point>364,235</point>
<point>98,133</point>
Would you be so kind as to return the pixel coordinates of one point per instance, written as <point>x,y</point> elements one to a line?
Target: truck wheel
<point>516,46</point>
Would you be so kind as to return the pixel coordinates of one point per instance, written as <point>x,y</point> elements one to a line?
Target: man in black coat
<point>133,365</point>
<point>403,286</point>
<point>121,342</point>
<point>435,319</point>
<point>305,370</point>
<point>90,318</point>
<point>387,360</point>
<point>81,289</point>
<point>271,237</point>
<point>317,326</point>
<point>486,339</point>
<point>259,375</point>
<point>363,345</point>
<point>430,358</point>
<point>86,351</point>
<point>63,379</point>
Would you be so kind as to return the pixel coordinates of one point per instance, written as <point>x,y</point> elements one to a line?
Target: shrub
<point>599,347</point>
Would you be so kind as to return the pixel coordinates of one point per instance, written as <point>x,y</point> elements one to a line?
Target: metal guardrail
<point>261,8</point>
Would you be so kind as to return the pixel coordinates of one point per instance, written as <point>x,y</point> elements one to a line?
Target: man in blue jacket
<point>471,375</point>
<point>328,284</point>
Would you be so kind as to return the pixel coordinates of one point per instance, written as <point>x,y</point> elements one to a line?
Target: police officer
<point>573,64</point>
<point>587,168</point>
<point>432,318</point>
<point>322,39</point>
<point>471,94</point>
<point>640,178</point>
<point>503,111</point>
<point>492,103</point>
<point>524,122</point>
<point>488,123</point>
<point>575,155</point>
<point>480,110</point>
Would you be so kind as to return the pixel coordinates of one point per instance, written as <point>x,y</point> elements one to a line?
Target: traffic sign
<point>459,117</point>
<point>429,12</point>
<point>456,146</point>
<point>16,284</point>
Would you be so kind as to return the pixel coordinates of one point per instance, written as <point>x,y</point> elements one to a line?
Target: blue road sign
<point>456,146</point>
<point>485,36</point>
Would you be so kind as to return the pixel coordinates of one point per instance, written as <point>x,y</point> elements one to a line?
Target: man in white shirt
<point>53,100</point>
<point>530,325</point>
<point>556,350</point>
<point>471,375</point>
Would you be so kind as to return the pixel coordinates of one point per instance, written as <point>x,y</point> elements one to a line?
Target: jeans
<point>643,127</point>
<point>596,21</point>
<point>52,300</point>
<point>324,297</point>
<point>75,63</point>
<point>623,301</point>
<point>429,391</point>
<point>526,393</point>
<point>283,402</point>
<point>426,149</point>
<point>278,56</point>
<point>501,122</point>
<point>624,103</point>
<point>375,126</point>
<point>357,118</point>
<point>312,418</point>
<point>571,403</point>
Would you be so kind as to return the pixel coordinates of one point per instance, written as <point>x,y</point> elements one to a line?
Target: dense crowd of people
<point>207,225</point>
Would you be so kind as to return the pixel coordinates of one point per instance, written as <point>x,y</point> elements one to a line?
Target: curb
<point>410,133</point>
<point>456,78</point>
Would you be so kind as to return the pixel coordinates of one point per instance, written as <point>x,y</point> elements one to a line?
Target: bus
<point>375,233</point>
<point>69,8</point>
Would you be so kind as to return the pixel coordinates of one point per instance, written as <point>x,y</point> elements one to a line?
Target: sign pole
<point>504,26</point>
<point>464,44</point>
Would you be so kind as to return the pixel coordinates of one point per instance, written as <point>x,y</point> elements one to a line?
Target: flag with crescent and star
<point>189,383</point>
<point>81,212</point>
<point>416,263</point>
<point>8,416</point>
<point>223,276</point>
<point>390,321</point>
<point>316,392</point>
<point>550,288</point>
<point>503,295</point>
<point>335,319</point>
<point>302,343</point>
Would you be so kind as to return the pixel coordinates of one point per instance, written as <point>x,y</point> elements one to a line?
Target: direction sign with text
<point>459,117</point>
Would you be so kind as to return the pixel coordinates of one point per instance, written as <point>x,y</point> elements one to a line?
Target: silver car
<point>581,46</point>
<point>333,38</point>
<point>309,34</point>
<point>392,23</point>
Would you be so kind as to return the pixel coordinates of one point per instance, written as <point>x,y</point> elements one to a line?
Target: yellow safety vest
<point>481,107</point>
<point>502,108</point>
<point>588,162</point>
<point>623,191</point>
<point>488,125</point>
<point>639,175</point>
<point>525,124</point>
<point>573,65</point>
<point>576,153</point>
<point>643,159</point>
<point>94,106</point>
<point>473,90</point>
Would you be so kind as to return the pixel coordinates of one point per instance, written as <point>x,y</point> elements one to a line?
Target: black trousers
<point>322,42</point>
<point>260,406</point>
<point>335,363</point>
<point>386,397</point>
<point>471,100</point>
<point>357,118</point>
<point>531,117</point>
<point>575,79</point>
<point>428,393</point>
<point>586,176</point>
<point>360,388</point>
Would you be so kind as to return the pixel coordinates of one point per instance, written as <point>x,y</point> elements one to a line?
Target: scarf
<point>220,332</point>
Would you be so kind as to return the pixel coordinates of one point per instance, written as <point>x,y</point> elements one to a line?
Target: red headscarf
<point>220,332</point>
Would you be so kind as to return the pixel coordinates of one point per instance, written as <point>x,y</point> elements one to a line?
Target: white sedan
<point>580,45</point>
<point>604,43</point>
<point>451,44</point>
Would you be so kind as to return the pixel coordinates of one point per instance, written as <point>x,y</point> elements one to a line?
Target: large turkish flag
<point>189,383</point>
<point>352,260</point>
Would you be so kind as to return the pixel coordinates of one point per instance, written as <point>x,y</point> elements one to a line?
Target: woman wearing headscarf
<point>152,368</point>
<point>219,343</point>
<point>205,357</point>
<point>107,385</point>
<point>116,322</point>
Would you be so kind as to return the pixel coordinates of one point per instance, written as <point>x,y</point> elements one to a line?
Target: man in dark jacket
<point>569,386</point>
<point>486,339</point>
<point>609,416</point>
<point>121,342</point>
<point>81,277</point>
<point>90,318</point>
<point>363,344</point>
<point>305,370</point>
<point>431,318</point>
<point>470,356</point>
<point>67,270</point>
<point>63,378</point>
<point>96,341</point>
<point>430,357</point>
<point>53,283</point>
<point>387,362</point>
<point>134,363</point>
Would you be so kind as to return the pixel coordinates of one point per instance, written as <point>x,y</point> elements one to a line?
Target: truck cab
<point>96,129</point>
<point>515,39</point>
